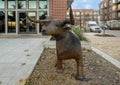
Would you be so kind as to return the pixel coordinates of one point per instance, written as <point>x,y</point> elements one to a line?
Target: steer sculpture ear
<point>65,24</point>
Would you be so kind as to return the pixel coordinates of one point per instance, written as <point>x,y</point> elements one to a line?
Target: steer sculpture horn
<point>71,16</point>
<point>48,19</point>
<point>38,21</point>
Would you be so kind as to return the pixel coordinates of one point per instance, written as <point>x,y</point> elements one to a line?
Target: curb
<point>107,57</point>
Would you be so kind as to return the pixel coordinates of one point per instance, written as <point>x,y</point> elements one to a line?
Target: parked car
<point>105,26</point>
<point>92,26</point>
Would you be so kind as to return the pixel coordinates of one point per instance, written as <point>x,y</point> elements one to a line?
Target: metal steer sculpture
<point>68,45</point>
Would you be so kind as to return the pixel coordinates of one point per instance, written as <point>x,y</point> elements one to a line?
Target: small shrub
<point>28,83</point>
<point>79,33</point>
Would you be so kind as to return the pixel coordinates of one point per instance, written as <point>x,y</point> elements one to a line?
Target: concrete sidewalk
<point>17,59</point>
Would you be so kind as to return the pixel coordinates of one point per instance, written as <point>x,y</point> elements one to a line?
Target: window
<point>42,15</point>
<point>105,5</point>
<point>118,14</point>
<point>110,3</point>
<point>101,6</point>
<point>2,22</point>
<point>11,22</point>
<point>113,1</point>
<point>67,13</point>
<point>78,13</point>
<point>11,4</point>
<point>114,7</point>
<point>118,6</point>
<point>32,3</point>
<point>113,15</point>
<point>21,4</point>
<point>42,4</point>
<point>2,4</point>
<point>31,25</point>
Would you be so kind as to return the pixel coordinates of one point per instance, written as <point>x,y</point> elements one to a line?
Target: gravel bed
<point>99,70</point>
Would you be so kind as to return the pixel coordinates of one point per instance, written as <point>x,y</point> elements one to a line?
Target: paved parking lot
<point>17,59</point>
<point>113,32</point>
<point>109,45</point>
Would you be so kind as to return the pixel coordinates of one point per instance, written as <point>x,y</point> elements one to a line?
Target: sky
<point>86,4</point>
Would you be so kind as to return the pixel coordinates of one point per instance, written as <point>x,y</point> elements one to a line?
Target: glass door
<point>26,26</point>
<point>2,22</point>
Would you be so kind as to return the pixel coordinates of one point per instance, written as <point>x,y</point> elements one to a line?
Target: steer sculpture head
<point>54,26</point>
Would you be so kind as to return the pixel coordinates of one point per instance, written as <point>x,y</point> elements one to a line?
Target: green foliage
<point>79,32</point>
<point>28,83</point>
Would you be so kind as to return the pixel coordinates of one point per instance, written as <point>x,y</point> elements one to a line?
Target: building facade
<point>110,12</point>
<point>81,16</point>
<point>13,14</point>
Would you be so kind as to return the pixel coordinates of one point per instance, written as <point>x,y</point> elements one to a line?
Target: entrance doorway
<point>26,26</point>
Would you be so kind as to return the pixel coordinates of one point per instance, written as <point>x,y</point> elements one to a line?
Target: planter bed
<point>99,70</point>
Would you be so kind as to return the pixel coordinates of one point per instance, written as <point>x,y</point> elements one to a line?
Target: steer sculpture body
<point>67,44</point>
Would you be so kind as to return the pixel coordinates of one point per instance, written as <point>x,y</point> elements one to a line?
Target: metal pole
<point>80,19</point>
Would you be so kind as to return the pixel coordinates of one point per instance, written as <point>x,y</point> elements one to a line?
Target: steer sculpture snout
<point>55,27</point>
<point>44,32</point>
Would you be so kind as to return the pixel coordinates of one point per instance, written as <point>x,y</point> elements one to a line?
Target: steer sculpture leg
<point>80,75</point>
<point>59,66</point>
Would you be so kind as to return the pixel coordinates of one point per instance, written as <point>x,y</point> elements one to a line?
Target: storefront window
<point>11,4</point>
<point>2,4</point>
<point>31,25</point>
<point>32,3</point>
<point>11,22</point>
<point>43,4</point>
<point>21,4</point>
<point>2,22</point>
<point>42,15</point>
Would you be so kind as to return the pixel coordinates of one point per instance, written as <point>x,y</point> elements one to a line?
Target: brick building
<point>81,16</point>
<point>110,12</point>
<point>13,14</point>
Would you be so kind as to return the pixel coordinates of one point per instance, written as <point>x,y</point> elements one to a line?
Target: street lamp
<point>80,19</point>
